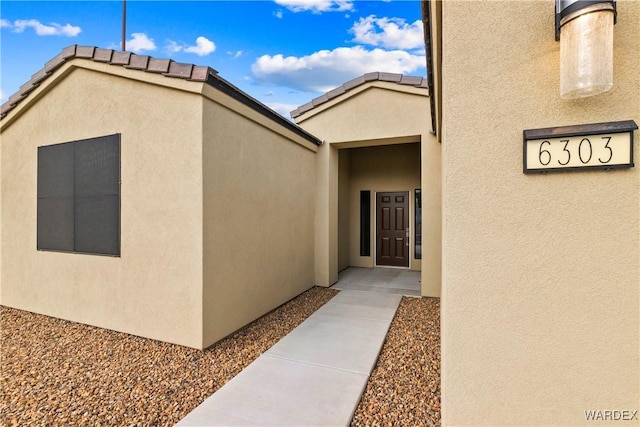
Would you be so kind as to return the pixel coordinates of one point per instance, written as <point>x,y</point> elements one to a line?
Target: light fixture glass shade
<point>586,52</point>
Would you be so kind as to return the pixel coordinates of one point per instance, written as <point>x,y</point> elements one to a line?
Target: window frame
<point>365,223</point>
<point>417,224</point>
<point>105,190</point>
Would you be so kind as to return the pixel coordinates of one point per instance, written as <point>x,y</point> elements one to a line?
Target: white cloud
<point>40,29</point>
<point>203,47</point>
<point>327,69</point>
<point>316,6</point>
<point>390,33</point>
<point>3,95</point>
<point>235,55</point>
<point>140,42</point>
<point>278,14</point>
<point>172,46</point>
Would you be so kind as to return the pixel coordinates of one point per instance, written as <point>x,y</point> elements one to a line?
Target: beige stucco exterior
<point>208,243</point>
<point>378,169</point>
<point>541,273</point>
<point>377,137</point>
<point>258,219</point>
<point>160,268</point>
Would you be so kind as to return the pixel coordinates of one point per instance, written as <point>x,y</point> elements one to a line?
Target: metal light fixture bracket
<point>565,8</point>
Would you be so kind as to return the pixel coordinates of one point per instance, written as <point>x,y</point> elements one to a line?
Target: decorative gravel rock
<point>404,387</point>
<point>55,372</point>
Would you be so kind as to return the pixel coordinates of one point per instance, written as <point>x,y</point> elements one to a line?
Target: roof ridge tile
<point>416,81</point>
<point>120,58</point>
<point>166,67</point>
<point>138,62</point>
<point>157,65</point>
<point>200,73</point>
<point>38,76</point>
<point>59,59</point>
<point>390,77</point>
<point>336,92</point>
<point>180,70</point>
<point>85,51</point>
<point>102,55</point>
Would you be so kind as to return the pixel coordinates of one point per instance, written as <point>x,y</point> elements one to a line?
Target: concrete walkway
<point>313,376</point>
<point>388,280</point>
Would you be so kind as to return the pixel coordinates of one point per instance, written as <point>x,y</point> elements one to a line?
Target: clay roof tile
<point>166,67</point>
<point>358,81</point>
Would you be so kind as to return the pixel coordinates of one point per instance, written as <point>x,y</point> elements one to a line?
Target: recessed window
<point>418,226</point>
<point>79,196</point>
<point>365,223</point>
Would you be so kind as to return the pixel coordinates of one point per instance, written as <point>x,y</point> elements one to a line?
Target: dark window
<point>365,223</point>
<point>79,196</point>
<point>418,226</point>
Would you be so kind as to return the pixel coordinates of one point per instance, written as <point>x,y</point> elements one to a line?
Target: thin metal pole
<point>124,25</point>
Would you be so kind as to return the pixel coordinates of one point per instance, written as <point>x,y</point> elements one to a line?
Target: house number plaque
<point>592,146</point>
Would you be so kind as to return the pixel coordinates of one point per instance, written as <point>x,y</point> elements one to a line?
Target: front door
<point>392,229</point>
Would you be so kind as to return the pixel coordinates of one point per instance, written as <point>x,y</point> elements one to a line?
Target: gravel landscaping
<point>55,372</point>
<point>404,387</point>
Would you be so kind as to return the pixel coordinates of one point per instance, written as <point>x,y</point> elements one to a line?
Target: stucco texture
<point>154,288</point>
<point>541,273</point>
<point>217,206</point>
<point>258,219</point>
<point>358,127</point>
<point>379,169</point>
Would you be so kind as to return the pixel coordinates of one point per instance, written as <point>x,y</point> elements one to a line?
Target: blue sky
<point>282,52</point>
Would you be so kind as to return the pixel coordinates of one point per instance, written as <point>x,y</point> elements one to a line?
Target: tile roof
<point>143,63</point>
<point>358,81</point>
<point>127,59</point>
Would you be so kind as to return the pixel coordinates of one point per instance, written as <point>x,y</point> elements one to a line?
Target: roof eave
<point>347,88</point>
<point>143,63</point>
<point>426,20</point>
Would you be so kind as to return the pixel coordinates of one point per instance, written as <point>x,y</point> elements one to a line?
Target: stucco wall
<point>372,111</point>
<point>374,114</point>
<point>258,219</point>
<point>431,264</point>
<point>382,168</point>
<point>344,209</point>
<point>154,288</point>
<point>1,180</point>
<point>326,245</point>
<point>541,273</point>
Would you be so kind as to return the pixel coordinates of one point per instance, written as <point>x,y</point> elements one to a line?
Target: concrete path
<point>313,376</point>
<point>387,280</point>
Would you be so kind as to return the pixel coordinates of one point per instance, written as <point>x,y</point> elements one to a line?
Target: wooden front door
<point>392,229</point>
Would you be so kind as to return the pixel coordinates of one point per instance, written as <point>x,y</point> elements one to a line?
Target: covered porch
<point>378,190</point>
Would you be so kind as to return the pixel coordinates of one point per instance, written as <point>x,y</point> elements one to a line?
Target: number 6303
<point>582,150</point>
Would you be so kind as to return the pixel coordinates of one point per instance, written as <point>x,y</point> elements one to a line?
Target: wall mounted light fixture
<point>586,46</point>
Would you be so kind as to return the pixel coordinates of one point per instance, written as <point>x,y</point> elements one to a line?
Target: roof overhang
<point>399,81</point>
<point>432,24</point>
<point>386,81</point>
<point>164,72</point>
